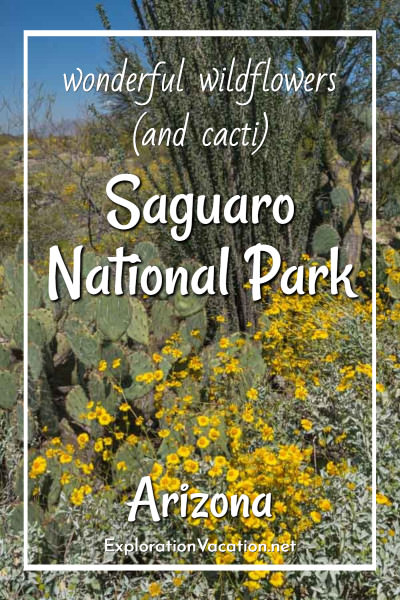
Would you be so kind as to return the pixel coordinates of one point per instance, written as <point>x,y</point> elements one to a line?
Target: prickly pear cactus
<point>10,317</point>
<point>339,197</point>
<point>185,306</point>
<point>148,253</point>
<point>164,321</point>
<point>16,518</point>
<point>139,363</point>
<point>9,390</point>
<point>97,348</point>
<point>5,356</point>
<point>113,316</point>
<point>188,305</point>
<point>393,284</point>
<point>75,404</point>
<point>194,329</point>
<point>325,237</point>
<point>138,328</point>
<point>83,309</point>
<point>84,344</point>
<point>136,465</point>
<point>35,359</point>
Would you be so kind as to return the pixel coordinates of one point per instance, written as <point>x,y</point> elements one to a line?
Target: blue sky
<point>49,58</point>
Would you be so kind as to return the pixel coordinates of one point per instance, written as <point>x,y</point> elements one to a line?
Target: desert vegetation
<point>220,392</point>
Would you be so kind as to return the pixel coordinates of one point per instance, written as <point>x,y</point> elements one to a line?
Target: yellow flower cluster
<point>149,377</point>
<point>79,494</point>
<point>38,467</point>
<point>99,413</point>
<point>212,426</point>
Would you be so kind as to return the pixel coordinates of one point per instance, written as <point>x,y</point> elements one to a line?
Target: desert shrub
<point>267,409</point>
